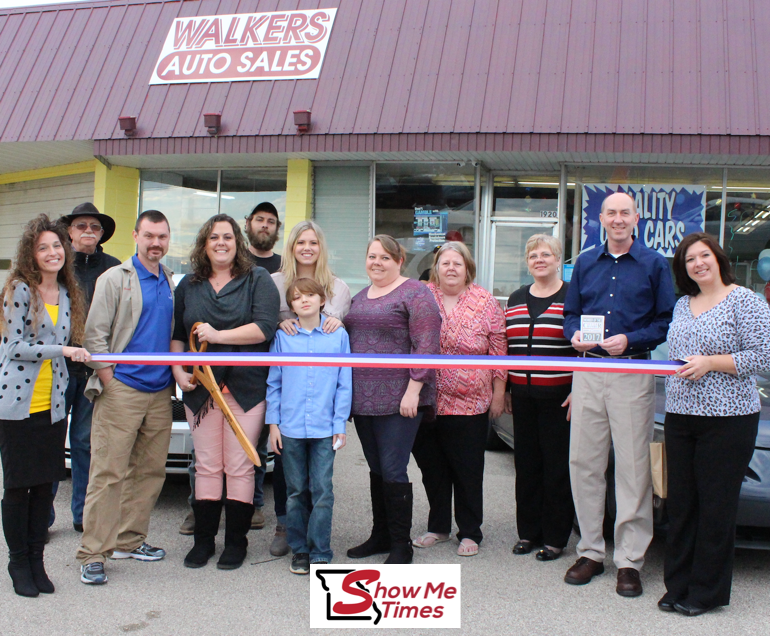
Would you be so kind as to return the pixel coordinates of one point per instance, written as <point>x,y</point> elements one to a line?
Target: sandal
<point>468,548</point>
<point>429,539</point>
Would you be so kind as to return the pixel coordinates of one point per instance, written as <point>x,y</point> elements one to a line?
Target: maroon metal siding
<point>404,67</point>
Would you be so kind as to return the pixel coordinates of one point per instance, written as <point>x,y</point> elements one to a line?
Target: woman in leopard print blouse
<point>722,332</point>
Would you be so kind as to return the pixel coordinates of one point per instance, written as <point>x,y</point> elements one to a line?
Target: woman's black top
<point>252,297</point>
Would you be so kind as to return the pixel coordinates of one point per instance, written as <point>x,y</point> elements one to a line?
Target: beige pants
<point>617,408</point>
<point>130,434</point>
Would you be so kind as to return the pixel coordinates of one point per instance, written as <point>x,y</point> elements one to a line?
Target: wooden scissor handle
<point>194,348</point>
<point>206,377</point>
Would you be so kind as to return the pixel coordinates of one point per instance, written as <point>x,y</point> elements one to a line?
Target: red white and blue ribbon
<point>395,361</point>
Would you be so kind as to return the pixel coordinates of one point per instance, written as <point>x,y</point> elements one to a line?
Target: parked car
<point>753,525</point>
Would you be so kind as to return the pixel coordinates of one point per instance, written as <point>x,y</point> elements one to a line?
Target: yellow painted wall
<point>116,193</point>
<point>299,193</point>
<point>47,173</point>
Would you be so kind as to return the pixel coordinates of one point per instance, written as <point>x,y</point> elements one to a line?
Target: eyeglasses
<point>82,227</point>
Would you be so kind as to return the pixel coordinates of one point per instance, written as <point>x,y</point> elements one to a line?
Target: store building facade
<point>495,118</point>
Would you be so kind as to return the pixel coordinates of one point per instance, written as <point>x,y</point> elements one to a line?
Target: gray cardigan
<point>25,346</point>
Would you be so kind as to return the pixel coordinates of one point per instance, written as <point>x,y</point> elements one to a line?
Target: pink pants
<point>218,452</point>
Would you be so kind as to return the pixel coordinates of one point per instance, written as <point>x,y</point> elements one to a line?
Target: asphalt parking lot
<point>502,593</point>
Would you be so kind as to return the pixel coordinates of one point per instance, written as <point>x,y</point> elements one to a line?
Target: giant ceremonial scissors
<point>204,375</point>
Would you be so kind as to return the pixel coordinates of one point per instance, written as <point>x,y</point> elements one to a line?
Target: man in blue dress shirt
<point>629,285</point>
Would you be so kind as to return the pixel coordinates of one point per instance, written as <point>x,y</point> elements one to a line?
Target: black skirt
<point>32,450</point>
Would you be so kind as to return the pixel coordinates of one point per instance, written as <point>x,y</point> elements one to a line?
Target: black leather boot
<point>237,525</point>
<point>207,514</point>
<point>40,498</point>
<point>398,499</point>
<point>379,540</point>
<point>15,525</point>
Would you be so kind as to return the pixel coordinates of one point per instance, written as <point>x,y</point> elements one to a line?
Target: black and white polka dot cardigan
<point>25,345</point>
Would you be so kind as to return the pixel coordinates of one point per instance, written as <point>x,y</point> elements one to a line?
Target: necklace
<point>218,283</point>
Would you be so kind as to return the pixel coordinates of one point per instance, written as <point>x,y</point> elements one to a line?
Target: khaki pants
<point>130,434</point>
<point>617,408</point>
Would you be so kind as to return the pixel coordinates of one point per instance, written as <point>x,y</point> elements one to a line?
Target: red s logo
<point>369,576</point>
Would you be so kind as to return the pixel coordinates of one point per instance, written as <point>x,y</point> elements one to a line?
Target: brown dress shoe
<point>629,583</point>
<point>583,571</point>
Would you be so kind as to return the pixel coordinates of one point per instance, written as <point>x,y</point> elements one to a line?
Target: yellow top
<point>41,394</point>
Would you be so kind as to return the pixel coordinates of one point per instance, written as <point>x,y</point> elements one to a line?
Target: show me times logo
<point>385,596</point>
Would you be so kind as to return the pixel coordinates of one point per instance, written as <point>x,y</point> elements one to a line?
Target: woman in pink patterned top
<point>450,450</point>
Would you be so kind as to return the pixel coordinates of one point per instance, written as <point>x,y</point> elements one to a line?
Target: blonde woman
<point>306,256</point>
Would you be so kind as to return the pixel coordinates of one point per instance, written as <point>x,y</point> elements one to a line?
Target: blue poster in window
<point>667,213</point>
<point>431,223</point>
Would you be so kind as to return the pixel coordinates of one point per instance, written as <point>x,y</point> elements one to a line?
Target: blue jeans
<point>308,466</point>
<point>80,411</point>
<point>387,442</point>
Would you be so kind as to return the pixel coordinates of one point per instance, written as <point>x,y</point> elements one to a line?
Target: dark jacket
<point>88,267</point>
<point>252,297</point>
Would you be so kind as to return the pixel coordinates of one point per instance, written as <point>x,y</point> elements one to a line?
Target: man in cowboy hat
<point>88,230</point>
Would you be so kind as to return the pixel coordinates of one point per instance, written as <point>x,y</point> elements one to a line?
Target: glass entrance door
<point>508,267</point>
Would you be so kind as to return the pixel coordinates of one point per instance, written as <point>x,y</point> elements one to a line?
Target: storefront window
<point>535,198</point>
<point>747,223</point>
<point>190,197</point>
<point>418,203</point>
<point>187,198</point>
<point>241,190</point>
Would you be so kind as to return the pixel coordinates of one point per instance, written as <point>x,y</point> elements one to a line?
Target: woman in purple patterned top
<point>393,315</point>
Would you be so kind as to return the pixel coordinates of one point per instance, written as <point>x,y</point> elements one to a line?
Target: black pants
<point>707,460</point>
<point>544,508</point>
<point>450,454</point>
<point>387,441</point>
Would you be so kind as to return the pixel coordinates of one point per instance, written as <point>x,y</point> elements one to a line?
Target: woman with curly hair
<point>42,308</point>
<point>237,304</point>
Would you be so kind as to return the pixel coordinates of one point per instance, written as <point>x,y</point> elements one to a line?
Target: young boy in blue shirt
<point>307,410</point>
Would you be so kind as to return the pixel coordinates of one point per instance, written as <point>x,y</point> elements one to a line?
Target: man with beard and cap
<point>262,227</point>
<point>88,231</point>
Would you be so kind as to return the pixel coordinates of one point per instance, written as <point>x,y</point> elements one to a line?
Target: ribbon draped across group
<point>396,361</point>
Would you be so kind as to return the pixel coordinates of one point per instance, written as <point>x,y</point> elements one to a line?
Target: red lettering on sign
<point>268,62</point>
<point>186,32</point>
<point>250,30</point>
<point>297,22</point>
<point>230,39</point>
<point>274,28</point>
<point>316,21</point>
<point>213,33</point>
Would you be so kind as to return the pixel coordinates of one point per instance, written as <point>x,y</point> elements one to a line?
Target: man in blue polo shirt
<point>630,286</point>
<point>132,311</point>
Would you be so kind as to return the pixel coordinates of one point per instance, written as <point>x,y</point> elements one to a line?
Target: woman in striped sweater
<point>540,403</point>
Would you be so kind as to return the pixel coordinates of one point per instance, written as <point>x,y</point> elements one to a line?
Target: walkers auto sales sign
<point>245,47</point>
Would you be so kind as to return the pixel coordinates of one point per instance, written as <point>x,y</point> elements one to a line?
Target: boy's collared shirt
<point>310,402</point>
